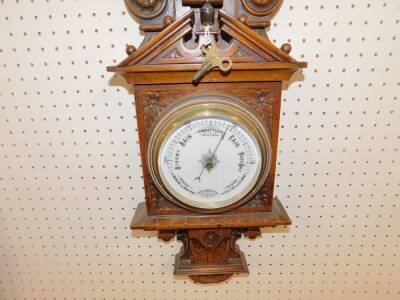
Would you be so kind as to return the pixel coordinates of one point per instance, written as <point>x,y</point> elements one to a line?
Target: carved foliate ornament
<point>146,9</point>
<point>262,8</point>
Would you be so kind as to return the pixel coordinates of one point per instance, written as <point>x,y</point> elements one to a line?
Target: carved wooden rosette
<point>262,8</point>
<point>146,9</point>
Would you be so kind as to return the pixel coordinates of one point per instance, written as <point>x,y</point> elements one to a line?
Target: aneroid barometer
<point>207,83</point>
<point>209,153</point>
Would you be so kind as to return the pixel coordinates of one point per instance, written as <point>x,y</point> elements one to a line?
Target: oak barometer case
<point>207,83</point>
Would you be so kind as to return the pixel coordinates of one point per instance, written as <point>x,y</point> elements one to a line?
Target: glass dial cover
<point>209,153</point>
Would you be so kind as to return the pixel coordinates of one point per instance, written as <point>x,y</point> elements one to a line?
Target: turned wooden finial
<point>167,20</point>
<point>286,48</point>
<point>207,13</point>
<point>130,49</point>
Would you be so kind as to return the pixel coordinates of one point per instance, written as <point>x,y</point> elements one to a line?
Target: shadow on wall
<point>143,234</point>
<point>298,76</point>
<point>119,80</point>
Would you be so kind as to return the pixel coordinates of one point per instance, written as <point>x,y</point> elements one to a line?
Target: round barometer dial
<point>209,153</point>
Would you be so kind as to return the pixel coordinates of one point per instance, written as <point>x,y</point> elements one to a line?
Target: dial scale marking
<point>210,160</point>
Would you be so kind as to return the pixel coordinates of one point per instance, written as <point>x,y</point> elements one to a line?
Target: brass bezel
<point>201,106</point>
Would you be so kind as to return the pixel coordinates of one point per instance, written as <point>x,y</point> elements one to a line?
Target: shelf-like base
<point>209,253</point>
<point>211,273</point>
<point>277,216</point>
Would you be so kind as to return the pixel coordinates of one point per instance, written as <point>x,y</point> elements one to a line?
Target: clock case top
<point>173,56</point>
<point>162,70</point>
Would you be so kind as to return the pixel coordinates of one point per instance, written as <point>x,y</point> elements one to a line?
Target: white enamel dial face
<point>210,162</point>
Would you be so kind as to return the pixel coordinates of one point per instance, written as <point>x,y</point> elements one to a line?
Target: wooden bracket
<point>209,253</point>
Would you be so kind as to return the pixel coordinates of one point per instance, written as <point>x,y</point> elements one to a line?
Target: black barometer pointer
<point>209,159</point>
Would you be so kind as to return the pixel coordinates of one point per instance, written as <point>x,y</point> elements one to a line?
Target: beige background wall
<point>70,172</point>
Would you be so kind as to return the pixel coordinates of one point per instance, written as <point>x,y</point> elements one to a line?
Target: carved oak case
<point>161,71</point>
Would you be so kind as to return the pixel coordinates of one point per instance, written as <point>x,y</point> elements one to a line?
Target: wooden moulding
<point>195,67</point>
<point>276,217</point>
<point>184,73</point>
<point>212,77</point>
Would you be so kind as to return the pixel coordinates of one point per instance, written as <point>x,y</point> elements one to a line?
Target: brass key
<point>212,60</point>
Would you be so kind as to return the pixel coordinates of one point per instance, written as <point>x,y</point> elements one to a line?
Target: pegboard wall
<point>70,175</point>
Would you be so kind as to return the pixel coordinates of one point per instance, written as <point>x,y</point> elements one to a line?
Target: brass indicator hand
<point>210,159</point>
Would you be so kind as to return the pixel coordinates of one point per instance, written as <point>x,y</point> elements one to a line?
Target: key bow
<point>212,60</point>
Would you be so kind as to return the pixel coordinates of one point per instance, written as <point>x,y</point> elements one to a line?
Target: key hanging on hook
<point>212,60</point>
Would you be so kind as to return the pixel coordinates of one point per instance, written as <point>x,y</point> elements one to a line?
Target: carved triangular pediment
<point>175,48</point>
<point>179,53</point>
